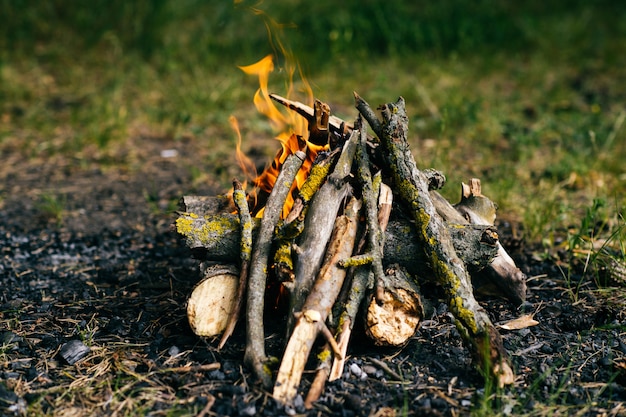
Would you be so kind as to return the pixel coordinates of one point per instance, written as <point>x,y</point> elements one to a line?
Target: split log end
<point>212,300</point>
<point>393,318</point>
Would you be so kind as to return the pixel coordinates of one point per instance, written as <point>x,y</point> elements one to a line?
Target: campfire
<point>348,227</point>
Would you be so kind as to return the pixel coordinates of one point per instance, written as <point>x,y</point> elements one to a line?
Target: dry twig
<point>239,197</point>
<point>255,339</point>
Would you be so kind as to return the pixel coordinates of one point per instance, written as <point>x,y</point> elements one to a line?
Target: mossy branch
<point>412,186</point>
<point>374,234</point>
<point>216,237</point>
<point>245,247</point>
<point>255,338</point>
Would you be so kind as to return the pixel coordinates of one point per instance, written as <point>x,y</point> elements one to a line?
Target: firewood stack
<point>364,230</point>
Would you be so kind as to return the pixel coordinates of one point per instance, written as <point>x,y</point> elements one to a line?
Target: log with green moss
<point>213,234</point>
<point>433,236</point>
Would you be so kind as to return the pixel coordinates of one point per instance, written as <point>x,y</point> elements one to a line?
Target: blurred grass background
<point>528,96</point>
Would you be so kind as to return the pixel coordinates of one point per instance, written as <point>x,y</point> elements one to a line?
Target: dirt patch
<point>88,256</point>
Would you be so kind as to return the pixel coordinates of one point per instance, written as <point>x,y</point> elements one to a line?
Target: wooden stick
<point>245,220</point>
<point>369,115</point>
<point>321,375</point>
<point>293,225</point>
<point>374,234</point>
<point>317,305</point>
<point>319,133</point>
<point>318,226</point>
<point>412,186</point>
<point>188,368</point>
<point>383,365</point>
<point>334,123</point>
<point>255,339</point>
<point>385,203</point>
<point>361,278</point>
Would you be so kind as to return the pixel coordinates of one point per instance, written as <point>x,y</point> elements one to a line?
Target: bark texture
<point>412,186</point>
<point>216,237</point>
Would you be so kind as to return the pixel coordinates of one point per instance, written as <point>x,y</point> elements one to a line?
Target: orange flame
<point>244,162</point>
<point>292,127</point>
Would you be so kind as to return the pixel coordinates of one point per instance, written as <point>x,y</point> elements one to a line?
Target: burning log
<point>311,249</point>
<point>293,225</point>
<point>333,123</point>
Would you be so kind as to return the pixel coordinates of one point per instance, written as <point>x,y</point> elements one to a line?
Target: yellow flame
<point>244,162</point>
<point>262,100</point>
<point>292,128</point>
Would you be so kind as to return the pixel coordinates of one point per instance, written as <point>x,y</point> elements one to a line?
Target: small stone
<point>352,402</point>
<point>217,375</point>
<point>356,370</point>
<point>248,410</point>
<point>73,351</point>
<point>7,338</point>
<point>298,404</point>
<point>173,351</point>
<point>370,370</point>
<point>439,403</point>
<point>526,306</point>
<point>169,153</point>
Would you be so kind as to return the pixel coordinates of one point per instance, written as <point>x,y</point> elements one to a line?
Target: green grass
<point>532,105</point>
<point>52,207</point>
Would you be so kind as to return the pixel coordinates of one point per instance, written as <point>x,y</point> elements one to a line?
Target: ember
<point>325,230</point>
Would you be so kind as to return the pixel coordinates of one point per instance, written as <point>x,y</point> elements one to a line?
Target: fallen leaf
<point>521,322</point>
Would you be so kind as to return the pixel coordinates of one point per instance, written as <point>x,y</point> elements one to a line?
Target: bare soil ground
<point>88,255</point>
